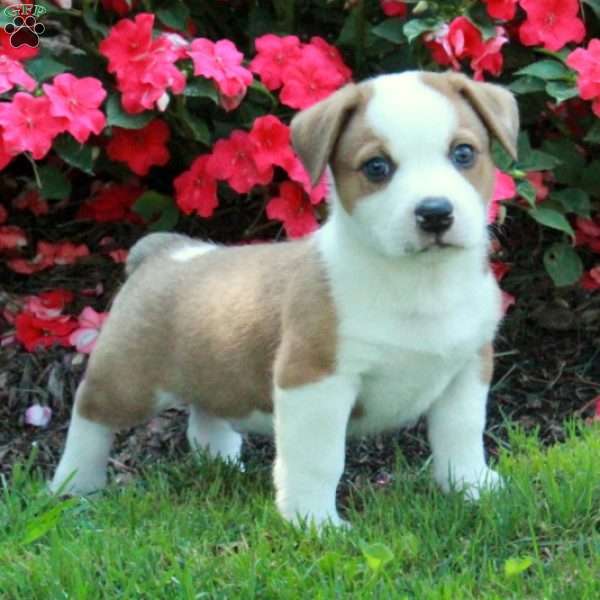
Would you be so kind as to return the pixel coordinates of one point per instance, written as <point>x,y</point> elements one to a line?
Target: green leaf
<point>44,67</point>
<point>116,116</point>
<point>42,524</point>
<point>415,27</point>
<point>197,127</point>
<point>547,70</point>
<point>561,90</point>
<point>158,210</point>
<point>201,88</point>
<point>76,154</point>
<point>563,264</point>
<point>516,566</point>
<point>574,200</point>
<point>594,6</point>
<point>552,218</point>
<point>174,14</point>
<point>377,555</point>
<point>526,190</point>
<point>55,186</point>
<point>390,30</point>
<point>593,135</point>
<point>89,18</point>
<point>527,85</point>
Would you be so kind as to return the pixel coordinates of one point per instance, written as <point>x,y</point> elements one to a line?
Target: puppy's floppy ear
<point>315,130</point>
<point>496,107</point>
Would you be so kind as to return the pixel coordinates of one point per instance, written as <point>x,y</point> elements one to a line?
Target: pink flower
<point>12,73</point>
<point>504,189</point>
<point>331,56</point>
<point>144,67</point>
<point>488,57</point>
<point>274,55</point>
<point>77,101</point>
<point>48,255</point>
<point>536,178</point>
<point>222,62</point>
<point>142,148</point>
<point>195,190</point>
<point>38,415</point>
<point>551,23</point>
<point>5,155</point>
<point>28,125</point>
<point>90,323</point>
<point>587,65</point>
<point>501,9</point>
<point>393,8</point>
<point>294,209</point>
<point>233,160</point>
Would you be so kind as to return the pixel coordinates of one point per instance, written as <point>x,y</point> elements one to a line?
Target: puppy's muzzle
<point>434,215</point>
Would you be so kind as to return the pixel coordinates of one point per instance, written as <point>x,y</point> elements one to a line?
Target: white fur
<point>82,468</point>
<point>214,435</point>
<point>188,253</point>
<point>310,436</point>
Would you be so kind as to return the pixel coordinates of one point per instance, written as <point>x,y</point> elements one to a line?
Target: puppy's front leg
<point>456,422</point>
<point>310,439</point>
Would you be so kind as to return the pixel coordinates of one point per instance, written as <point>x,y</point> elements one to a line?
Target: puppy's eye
<point>377,169</point>
<point>463,156</point>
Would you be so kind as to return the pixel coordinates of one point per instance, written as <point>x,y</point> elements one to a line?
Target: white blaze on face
<point>418,125</point>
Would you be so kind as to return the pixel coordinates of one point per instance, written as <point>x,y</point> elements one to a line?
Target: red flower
<point>31,200</point>
<point>551,23</point>
<point>48,305</point>
<point>587,65</point>
<point>501,9</point>
<point>12,73</point>
<point>294,209</point>
<point>274,55</point>
<point>222,62</point>
<point>23,52</point>
<point>587,233</point>
<point>5,155</point>
<point>504,189</point>
<point>142,148</point>
<point>591,279</point>
<point>271,139</point>
<point>28,125</point>
<point>195,190</point>
<point>121,7</point>
<point>461,40</point>
<point>331,56</point>
<point>77,101</point>
<point>499,269</point>
<point>34,332</point>
<point>3,214</point>
<point>112,203</point>
<point>393,8</point>
<point>12,238</point>
<point>49,254</point>
<point>233,160</point>
<point>536,178</point>
<point>144,67</point>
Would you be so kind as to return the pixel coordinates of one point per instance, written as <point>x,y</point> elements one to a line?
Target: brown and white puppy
<point>385,314</point>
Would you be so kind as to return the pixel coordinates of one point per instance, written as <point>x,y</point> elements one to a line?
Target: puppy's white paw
<point>74,484</point>
<point>320,522</point>
<point>488,481</point>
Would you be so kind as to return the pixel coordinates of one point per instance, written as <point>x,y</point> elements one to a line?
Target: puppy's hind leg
<point>213,435</point>
<point>82,468</point>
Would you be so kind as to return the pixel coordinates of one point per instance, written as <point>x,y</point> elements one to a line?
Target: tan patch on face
<point>470,130</point>
<point>487,363</point>
<point>210,331</point>
<point>357,144</point>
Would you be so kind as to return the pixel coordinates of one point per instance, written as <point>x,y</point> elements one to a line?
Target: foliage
<point>163,113</point>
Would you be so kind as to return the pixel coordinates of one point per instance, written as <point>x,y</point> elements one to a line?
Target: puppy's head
<point>410,157</point>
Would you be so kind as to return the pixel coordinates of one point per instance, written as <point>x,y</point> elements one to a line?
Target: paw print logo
<point>24,31</point>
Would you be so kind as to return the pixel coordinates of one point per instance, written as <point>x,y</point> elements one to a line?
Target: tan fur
<point>327,119</point>
<point>209,331</point>
<point>487,363</point>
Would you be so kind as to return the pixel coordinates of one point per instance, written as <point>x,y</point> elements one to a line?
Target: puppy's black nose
<point>434,215</point>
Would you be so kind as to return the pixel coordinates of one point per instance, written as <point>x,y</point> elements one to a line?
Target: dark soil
<point>547,365</point>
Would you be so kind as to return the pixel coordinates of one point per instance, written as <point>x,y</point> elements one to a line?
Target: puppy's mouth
<point>437,243</point>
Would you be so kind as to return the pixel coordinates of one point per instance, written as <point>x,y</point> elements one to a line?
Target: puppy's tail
<point>155,243</point>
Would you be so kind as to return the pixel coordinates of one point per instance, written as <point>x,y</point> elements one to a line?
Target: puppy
<point>385,314</point>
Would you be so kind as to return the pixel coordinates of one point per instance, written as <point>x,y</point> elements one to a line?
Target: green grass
<point>211,531</point>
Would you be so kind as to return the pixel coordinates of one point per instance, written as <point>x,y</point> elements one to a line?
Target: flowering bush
<point>163,114</point>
